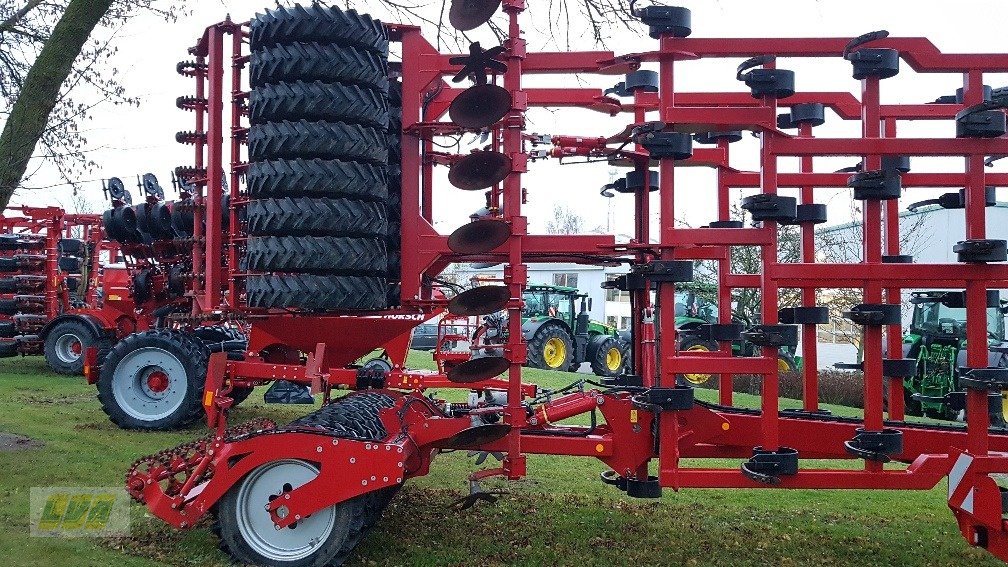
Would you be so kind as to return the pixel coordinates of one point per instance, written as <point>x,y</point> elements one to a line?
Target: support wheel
<point>550,348</point>
<point>247,532</point>
<point>607,360</point>
<point>65,345</point>
<point>154,380</point>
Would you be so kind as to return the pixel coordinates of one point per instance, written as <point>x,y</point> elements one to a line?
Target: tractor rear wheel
<point>695,344</point>
<point>65,345</point>
<point>550,348</point>
<point>247,532</point>
<point>154,380</point>
<point>608,358</point>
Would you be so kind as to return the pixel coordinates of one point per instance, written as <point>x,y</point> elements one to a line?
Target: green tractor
<point>937,340</point>
<point>693,309</point>
<point>560,337</point>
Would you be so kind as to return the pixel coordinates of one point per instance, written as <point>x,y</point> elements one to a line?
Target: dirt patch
<point>13,442</point>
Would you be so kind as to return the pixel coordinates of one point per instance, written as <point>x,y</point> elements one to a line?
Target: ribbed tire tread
<point>315,62</point>
<point>323,140</point>
<point>316,217</point>
<point>331,102</point>
<point>316,178</point>
<point>317,255</point>
<point>316,293</point>
<point>300,24</point>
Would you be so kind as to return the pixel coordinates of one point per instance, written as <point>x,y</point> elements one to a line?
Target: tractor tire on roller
<point>316,217</point>
<point>9,306</point>
<point>7,329</point>
<point>65,346</point>
<point>8,285</point>
<point>316,178</point>
<point>607,359</point>
<point>318,101</point>
<point>550,348</point>
<point>70,264</point>
<point>321,140</point>
<point>316,293</point>
<point>285,26</point>
<point>8,264</point>
<point>315,62</point>
<point>154,380</point>
<point>317,255</point>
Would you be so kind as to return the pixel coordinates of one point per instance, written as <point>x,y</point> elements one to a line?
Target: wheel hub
<point>68,348</point>
<point>157,381</point>
<point>614,359</point>
<point>697,378</point>
<point>554,352</point>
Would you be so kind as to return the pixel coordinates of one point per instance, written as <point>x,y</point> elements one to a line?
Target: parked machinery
<point>308,491</point>
<point>52,280</point>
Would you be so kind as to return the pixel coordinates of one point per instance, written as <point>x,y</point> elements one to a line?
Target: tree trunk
<point>41,89</point>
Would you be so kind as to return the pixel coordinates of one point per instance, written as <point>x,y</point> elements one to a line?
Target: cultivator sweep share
<point>308,258</point>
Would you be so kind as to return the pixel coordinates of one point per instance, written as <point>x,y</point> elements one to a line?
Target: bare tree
<point>49,52</point>
<point>565,221</point>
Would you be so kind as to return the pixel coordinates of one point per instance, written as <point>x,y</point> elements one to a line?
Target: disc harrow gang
<point>324,246</point>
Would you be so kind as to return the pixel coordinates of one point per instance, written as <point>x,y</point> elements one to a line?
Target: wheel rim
<point>554,352</point>
<point>614,359</point>
<point>68,348</point>
<point>150,384</point>
<point>783,366</point>
<point>697,378</point>
<point>263,485</point>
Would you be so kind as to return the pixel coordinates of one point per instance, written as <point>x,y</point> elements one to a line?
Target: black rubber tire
<point>316,293</point>
<point>232,542</point>
<point>394,264</point>
<point>316,178</point>
<point>537,346</point>
<point>298,24</point>
<point>187,349</point>
<point>8,348</point>
<point>8,285</point>
<point>9,306</point>
<point>218,334</point>
<point>317,255</point>
<point>686,343</point>
<point>70,264</point>
<point>72,247</point>
<point>7,329</point>
<point>87,338</point>
<point>322,140</point>
<point>318,101</point>
<point>316,62</point>
<point>8,264</point>
<point>316,217</point>
<point>600,362</point>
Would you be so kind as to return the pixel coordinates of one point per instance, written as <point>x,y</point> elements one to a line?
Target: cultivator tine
<point>476,494</point>
<point>481,456</point>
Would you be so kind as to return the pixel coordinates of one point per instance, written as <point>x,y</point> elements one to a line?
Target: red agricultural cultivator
<point>339,178</point>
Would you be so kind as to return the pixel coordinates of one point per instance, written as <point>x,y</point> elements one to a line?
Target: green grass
<point>560,515</point>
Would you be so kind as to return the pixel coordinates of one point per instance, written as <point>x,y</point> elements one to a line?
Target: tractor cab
<point>553,302</point>
<point>937,340</point>
<point>941,316</point>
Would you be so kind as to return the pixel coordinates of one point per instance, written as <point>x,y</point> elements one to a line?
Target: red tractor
<point>329,251</point>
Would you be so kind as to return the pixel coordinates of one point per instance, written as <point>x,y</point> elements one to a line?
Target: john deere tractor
<point>937,340</point>
<point>692,309</point>
<point>560,337</point>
